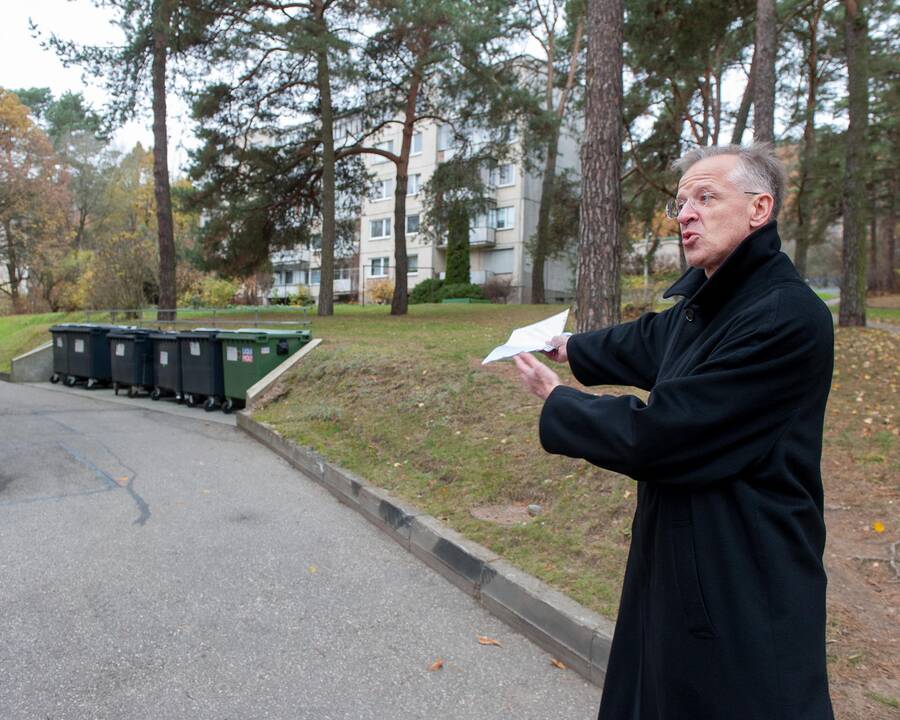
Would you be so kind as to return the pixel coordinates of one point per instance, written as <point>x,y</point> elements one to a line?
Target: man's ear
<point>763,204</point>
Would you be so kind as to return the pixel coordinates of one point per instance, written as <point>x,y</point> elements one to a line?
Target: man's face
<point>710,233</point>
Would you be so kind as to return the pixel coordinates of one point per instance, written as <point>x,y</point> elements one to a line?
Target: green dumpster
<point>249,354</point>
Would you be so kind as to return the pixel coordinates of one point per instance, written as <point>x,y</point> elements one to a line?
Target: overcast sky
<point>24,63</point>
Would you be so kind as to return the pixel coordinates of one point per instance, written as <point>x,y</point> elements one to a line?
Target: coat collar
<point>755,250</point>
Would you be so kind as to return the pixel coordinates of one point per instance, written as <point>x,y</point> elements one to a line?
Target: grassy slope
<point>405,403</point>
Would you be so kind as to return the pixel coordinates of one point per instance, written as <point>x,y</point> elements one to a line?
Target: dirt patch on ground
<point>502,514</point>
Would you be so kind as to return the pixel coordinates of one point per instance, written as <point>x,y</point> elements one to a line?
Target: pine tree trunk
<point>804,220</point>
<point>872,270</point>
<point>599,253</point>
<point>326,113</point>
<point>165,227</point>
<point>853,271</point>
<point>740,122</point>
<point>764,73</point>
<point>890,279</point>
<point>543,227</point>
<point>400,300</point>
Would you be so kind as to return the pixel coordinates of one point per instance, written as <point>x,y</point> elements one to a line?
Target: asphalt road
<point>165,566</point>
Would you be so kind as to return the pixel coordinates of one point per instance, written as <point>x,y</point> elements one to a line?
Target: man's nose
<point>687,213</point>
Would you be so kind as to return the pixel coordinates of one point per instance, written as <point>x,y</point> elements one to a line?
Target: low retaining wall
<point>34,366</point>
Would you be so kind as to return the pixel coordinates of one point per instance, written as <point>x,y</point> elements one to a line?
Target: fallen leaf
<point>878,526</point>
<point>313,569</point>
<point>484,640</point>
<point>557,664</point>
<point>123,480</point>
<point>436,665</point>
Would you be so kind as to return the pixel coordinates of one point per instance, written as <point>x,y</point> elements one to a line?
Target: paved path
<point>160,566</point>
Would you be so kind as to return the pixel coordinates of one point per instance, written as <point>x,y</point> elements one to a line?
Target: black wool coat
<point>722,615</point>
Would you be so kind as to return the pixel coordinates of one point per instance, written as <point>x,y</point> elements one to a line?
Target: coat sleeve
<point>626,354</point>
<point>706,426</point>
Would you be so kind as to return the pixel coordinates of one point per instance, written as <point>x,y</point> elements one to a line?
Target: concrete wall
<point>34,366</point>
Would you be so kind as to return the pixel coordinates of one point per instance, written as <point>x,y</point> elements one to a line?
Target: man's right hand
<point>559,353</point>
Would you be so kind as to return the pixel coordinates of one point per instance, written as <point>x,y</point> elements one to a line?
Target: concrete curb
<point>578,637</point>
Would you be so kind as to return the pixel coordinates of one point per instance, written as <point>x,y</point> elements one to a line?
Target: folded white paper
<point>530,338</point>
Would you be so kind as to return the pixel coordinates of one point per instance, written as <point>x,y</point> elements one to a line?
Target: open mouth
<point>688,236</point>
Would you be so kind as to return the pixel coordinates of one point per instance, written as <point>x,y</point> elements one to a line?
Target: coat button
<point>689,314</point>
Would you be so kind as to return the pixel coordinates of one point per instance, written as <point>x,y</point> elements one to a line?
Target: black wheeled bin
<point>131,360</point>
<point>87,353</point>
<point>166,365</point>
<point>202,377</point>
<point>60,341</point>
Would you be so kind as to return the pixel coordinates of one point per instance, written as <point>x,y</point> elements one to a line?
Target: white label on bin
<point>59,342</point>
<point>195,348</point>
<point>163,357</point>
<point>79,346</point>
<point>265,350</point>
<point>247,354</point>
<point>231,353</point>
<point>120,349</point>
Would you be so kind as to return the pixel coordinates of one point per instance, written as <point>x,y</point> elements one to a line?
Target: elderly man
<point>722,614</point>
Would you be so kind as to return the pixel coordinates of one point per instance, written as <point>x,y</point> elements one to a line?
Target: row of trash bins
<point>208,367</point>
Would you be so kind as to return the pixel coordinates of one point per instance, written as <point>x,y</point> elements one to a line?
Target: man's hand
<point>559,354</point>
<point>536,377</point>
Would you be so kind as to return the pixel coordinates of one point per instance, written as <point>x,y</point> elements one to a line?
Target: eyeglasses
<point>705,199</point>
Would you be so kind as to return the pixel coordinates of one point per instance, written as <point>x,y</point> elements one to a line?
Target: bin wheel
<point>116,388</point>
<point>131,391</point>
<point>54,378</point>
<point>91,383</point>
<point>210,404</point>
<point>70,380</point>
<point>190,400</point>
<point>227,406</point>
<point>155,394</point>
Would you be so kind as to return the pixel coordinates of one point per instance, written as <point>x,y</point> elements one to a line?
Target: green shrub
<point>427,291</point>
<point>462,290</point>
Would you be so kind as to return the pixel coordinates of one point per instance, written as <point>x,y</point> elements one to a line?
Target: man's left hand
<point>536,377</point>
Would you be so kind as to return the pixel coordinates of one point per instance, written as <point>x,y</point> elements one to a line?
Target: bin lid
<point>128,333</point>
<point>205,333</point>
<point>274,332</point>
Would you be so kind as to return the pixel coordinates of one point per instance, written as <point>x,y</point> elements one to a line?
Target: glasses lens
<point>672,209</point>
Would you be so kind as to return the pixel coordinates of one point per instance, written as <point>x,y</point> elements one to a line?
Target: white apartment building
<point>497,239</point>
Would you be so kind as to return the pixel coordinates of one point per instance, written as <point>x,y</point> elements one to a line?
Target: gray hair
<point>758,168</point>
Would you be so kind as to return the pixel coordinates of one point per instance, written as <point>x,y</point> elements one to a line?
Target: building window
<point>380,266</point>
<point>381,190</point>
<point>276,278</point>
<point>416,146</point>
<point>342,273</point>
<point>288,277</point>
<point>412,264</point>
<point>315,276</point>
<point>380,229</point>
<point>445,137</point>
<point>301,277</point>
<point>387,145</point>
<point>504,175</point>
<point>412,224</point>
<point>502,218</point>
<point>413,184</point>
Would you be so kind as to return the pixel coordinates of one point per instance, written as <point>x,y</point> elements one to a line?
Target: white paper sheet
<point>530,338</point>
